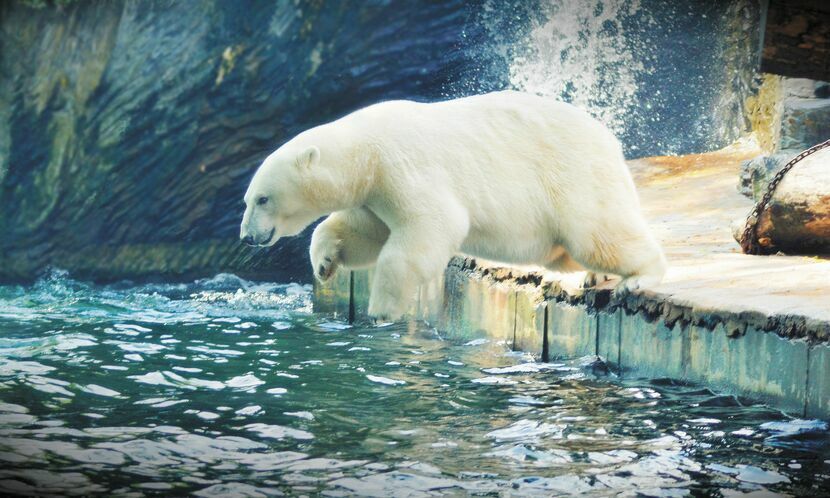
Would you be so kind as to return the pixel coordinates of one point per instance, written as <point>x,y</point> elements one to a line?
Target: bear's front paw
<point>325,259</point>
<point>326,268</point>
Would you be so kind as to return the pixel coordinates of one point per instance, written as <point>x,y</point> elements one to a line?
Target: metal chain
<point>749,239</point>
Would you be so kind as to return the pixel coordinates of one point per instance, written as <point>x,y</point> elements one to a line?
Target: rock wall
<point>797,39</point>
<point>129,129</point>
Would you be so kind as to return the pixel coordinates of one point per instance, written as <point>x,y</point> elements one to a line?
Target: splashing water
<point>665,77</point>
<point>224,387</point>
<point>580,53</point>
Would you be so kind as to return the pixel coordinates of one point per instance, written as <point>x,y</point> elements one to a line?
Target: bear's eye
<point>261,201</point>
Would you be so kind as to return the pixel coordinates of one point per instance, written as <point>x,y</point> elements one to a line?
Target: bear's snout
<point>251,240</point>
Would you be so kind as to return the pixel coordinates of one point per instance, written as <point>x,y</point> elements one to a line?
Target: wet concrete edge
<point>782,360</point>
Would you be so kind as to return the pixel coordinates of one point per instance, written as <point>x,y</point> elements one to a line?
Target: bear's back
<point>506,113</point>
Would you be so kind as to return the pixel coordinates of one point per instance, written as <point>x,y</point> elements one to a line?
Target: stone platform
<point>755,326</point>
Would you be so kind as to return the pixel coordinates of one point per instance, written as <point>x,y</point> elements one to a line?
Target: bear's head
<point>280,200</point>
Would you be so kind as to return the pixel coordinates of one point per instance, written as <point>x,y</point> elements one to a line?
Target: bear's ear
<point>308,158</point>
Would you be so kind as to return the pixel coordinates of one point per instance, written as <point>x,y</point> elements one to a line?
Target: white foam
<point>11,367</point>
<point>494,380</point>
<point>244,381</point>
<point>528,429</point>
<point>278,432</point>
<point>385,380</point>
<point>249,410</point>
<point>223,352</point>
<point>100,390</point>
<point>140,347</point>
<point>477,342</point>
<point>238,490</point>
<point>704,421</point>
<point>334,326</point>
<point>303,415</point>
<point>131,327</point>
<point>11,407</point>
<point>794,427</point>
<point>187,369</point>
<point>522,368</point>
<point>756,475</point>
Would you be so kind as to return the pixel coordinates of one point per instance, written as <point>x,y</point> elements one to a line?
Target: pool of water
<point>223,387</point>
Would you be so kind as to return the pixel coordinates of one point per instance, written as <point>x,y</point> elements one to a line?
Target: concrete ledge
<point>470,303</point>
<point>818,381</point>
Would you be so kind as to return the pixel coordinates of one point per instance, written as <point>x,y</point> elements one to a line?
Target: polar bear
<point>507,176</point>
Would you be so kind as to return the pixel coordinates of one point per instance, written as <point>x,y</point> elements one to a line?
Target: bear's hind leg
<point>561,261</point>
<point>628,249</point>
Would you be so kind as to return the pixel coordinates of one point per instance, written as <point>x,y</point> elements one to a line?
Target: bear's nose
<point>248,239</point>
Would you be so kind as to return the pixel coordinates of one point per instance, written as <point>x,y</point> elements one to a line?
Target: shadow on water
<point>227,387</point>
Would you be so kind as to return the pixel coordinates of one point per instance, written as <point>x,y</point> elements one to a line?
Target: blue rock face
<point>805,122</point>
<point>129,131</point>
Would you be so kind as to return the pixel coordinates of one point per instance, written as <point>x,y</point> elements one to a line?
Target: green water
<point>223,387</point>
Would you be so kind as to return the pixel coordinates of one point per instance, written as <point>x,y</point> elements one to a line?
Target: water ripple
<point>227,387</point>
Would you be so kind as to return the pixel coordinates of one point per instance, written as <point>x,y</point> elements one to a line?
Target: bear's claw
<point>324,259</point>
<point>592,279</point>
<point>326,270</point>
<point>634,283</point>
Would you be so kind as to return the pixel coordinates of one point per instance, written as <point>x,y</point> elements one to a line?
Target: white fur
<point>507,176</point>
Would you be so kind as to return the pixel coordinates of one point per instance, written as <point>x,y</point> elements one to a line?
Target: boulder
<point>804,88</point>
<point>804,122</point>
<point>797,219</point>
<point>758,171</point>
